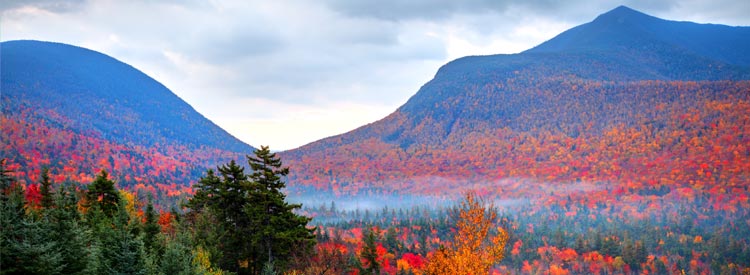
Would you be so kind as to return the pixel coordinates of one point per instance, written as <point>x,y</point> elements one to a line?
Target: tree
<point>102,195</point>
<point>151,230</point>
<point>474,249</point>
<point>70,234</point>
<point>280,228</point>
<point>370,254</point>
<point>260,226</point>
<point>46,190</point>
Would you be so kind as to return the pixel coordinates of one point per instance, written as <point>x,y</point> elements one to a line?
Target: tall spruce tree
<point>370,254</point>
<point>46,189</point>
<point>103,195</point>
<point>260,226</point>
<point>280,228</point>
<point>72,236</point>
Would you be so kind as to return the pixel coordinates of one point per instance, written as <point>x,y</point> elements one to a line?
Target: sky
<point>286,73</point>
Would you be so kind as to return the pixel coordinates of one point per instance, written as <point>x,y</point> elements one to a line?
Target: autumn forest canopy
<point>621,146</point>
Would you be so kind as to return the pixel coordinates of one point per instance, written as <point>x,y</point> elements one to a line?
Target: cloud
<point>57,6</point>
<point>258,67</point>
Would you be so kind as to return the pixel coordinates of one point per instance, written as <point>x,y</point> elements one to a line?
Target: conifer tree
<point>370,254</point>
<point>259,225</point>
<point>45,189</point>
<point>103,195</point>
<point>151,231</point>
<point>67,229</point>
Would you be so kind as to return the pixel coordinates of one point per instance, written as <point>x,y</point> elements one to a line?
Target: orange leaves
<point>477,245</point>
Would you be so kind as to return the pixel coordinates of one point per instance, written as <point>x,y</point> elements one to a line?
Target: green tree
<point>370,254</point>
<point>178,257</point>
<point>46,189</point>
<point>151,231</point>
<point>70,234</point>
<point>280,228</point>
<point>26,242</point>
<point>102,195</point>
<point>259,225</point>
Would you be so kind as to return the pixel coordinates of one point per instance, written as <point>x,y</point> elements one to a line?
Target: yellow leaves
<point>202,263</point>
<point>131,204</point>
<point>476,247</point>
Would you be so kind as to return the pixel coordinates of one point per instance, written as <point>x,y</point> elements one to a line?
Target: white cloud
<point>285,73</point>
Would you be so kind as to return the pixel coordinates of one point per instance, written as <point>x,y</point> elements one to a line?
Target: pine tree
<point>151,231</point>
<point>123,252</point>
<point>45,189</point>
<point>177,258</point>
<point>103,195</point>
<point>370,254</point>
<point>259,225</point>
<point>27,245</point>
<point>12,216</point>
<point>67,229</point>
<point>280,228</point>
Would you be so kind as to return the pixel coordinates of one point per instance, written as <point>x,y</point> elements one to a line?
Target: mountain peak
<point>622,11</point>
<point>627,29</point>
<point>625,15</point>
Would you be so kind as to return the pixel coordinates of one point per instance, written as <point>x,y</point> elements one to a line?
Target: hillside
<point>627,101</point>
<point>78,111</point>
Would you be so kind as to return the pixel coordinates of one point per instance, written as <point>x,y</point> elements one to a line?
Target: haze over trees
<point>618,147</point>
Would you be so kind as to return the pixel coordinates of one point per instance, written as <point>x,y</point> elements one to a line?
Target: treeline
<point>564,236</point>
<point>236,223</point>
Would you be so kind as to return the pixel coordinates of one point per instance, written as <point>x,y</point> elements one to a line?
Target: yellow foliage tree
<point>477,245</point>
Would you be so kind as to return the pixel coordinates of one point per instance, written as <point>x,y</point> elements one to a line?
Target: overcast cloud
<point>286,73</point>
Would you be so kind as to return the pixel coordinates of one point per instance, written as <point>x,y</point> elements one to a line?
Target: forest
<point>235,223</point>
<point>72,227</point>
<point>641,177</point>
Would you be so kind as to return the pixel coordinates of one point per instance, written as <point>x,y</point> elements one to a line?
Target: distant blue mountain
<point>103,96</point>
<point>625,29</point>
<point>620,45</point>
<point>612,71</point>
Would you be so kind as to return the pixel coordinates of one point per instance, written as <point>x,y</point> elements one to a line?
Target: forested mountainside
<point>625,99</point>
<point>77,111</point>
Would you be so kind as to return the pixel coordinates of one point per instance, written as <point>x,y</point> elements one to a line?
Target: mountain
<point>77,111</point>
<point>625,101</point>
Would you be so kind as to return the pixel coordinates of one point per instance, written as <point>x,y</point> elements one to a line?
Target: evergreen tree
<point>177,258</point>
<point>280,228</point>
<point>103,195</point>
<point>12,216</point>
<point>34,252</point>
<point>67,229</point>
<point>370,254</point>
<point>45,189</point>
<point>123,252</point>
<point>26,242</point>
<point>151,231</point>
<point>260,226</point>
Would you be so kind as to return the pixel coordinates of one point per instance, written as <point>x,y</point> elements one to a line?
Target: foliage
<point>475,248</point>
<point>258,225</point>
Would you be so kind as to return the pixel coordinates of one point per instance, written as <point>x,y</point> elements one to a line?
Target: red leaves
<point>33,195</point>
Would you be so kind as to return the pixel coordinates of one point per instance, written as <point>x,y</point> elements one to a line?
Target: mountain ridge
<point>87,73</point>
<point>77,111</point>
<point>568,93</point>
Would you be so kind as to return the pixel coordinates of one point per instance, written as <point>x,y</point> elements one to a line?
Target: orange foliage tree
<point>477,246</point>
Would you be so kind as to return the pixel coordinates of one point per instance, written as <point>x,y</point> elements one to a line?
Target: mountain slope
<point>77,111</point>
<point>106,96</point>
<point>597,103</point>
